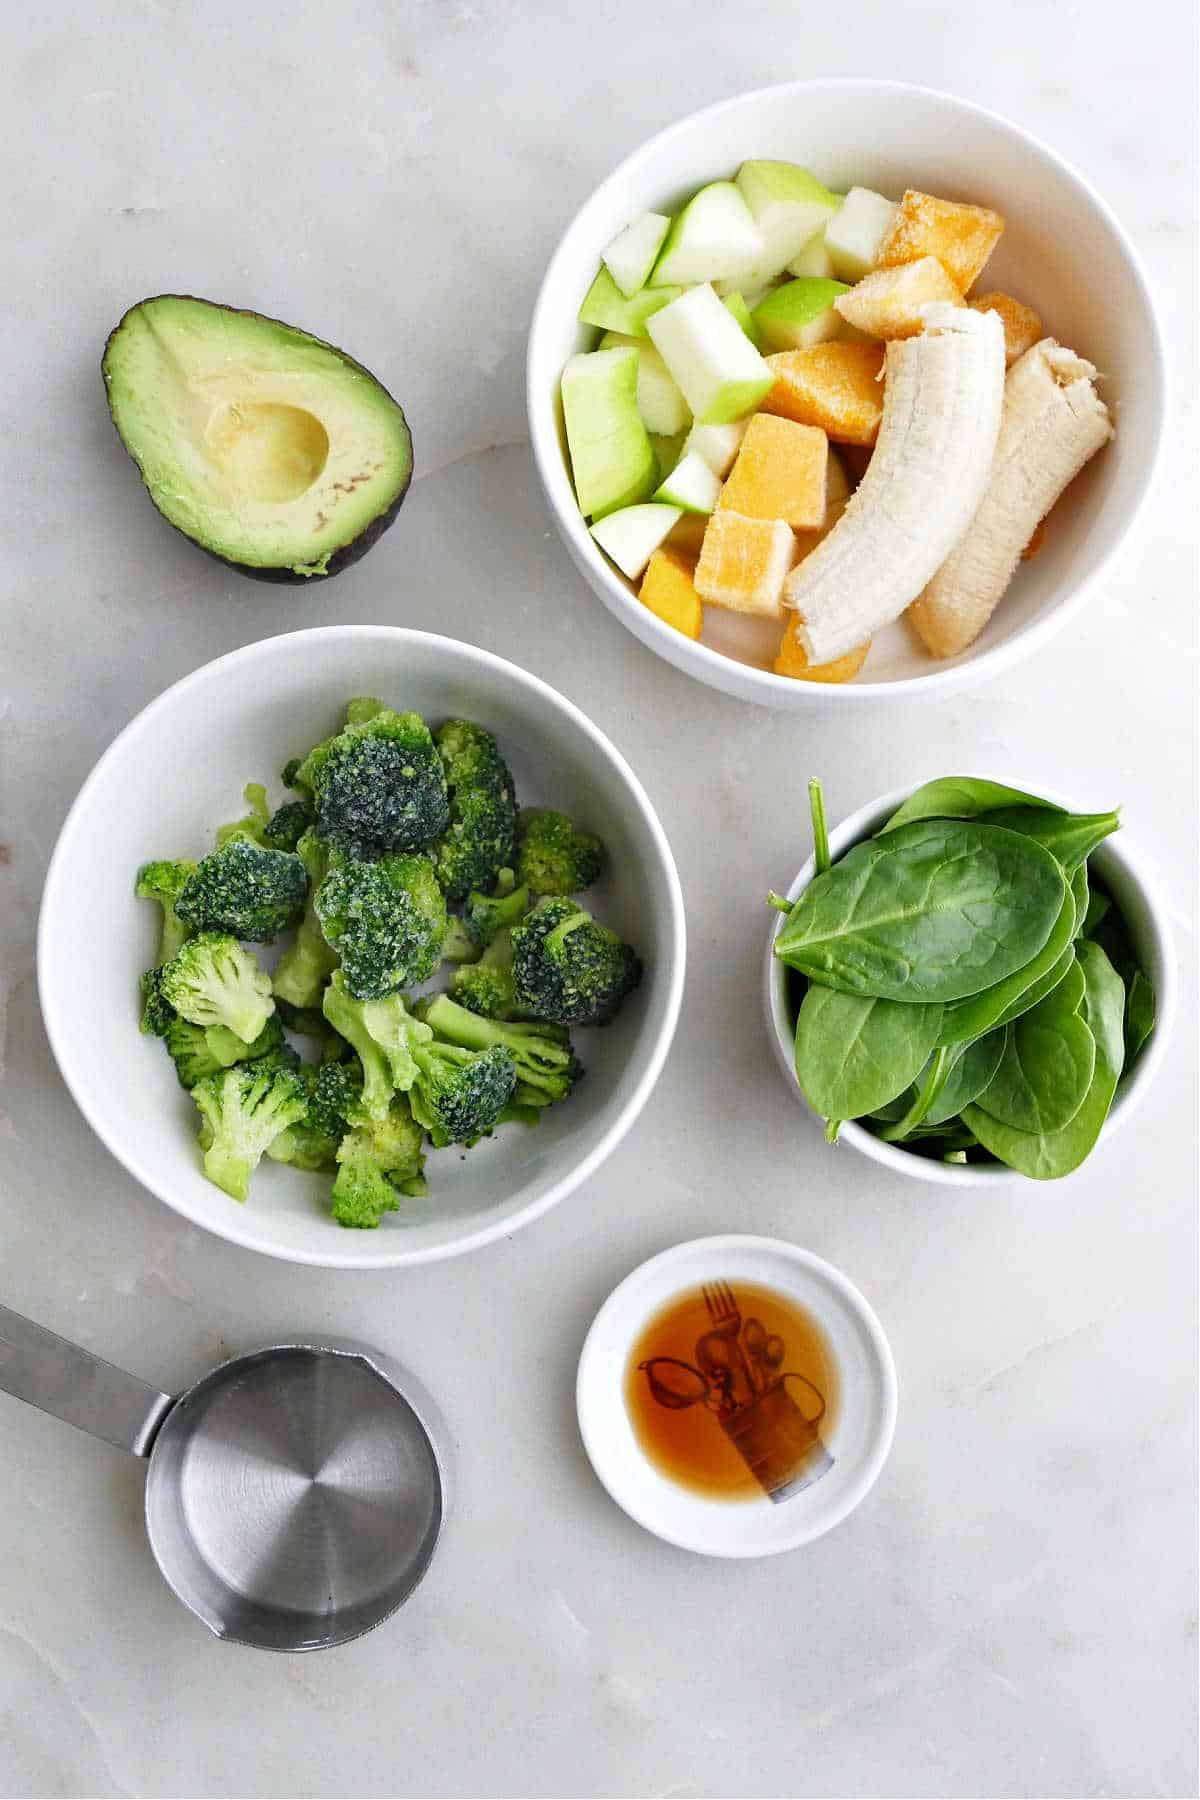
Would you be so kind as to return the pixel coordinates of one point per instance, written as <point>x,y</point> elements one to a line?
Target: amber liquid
<point>697,1445</point>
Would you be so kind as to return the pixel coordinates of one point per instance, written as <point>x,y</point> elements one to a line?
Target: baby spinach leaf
<point>961,797</point>
<point>934,911</point>
<point>1048,1062</point>
<point>1098,904</point>
<point>854,1054</point>
<point>1044,1156</point>
<point>1007,999</point>
<point>1071,837</point>
<point>1113,937</point>
<point>972,1070</point>
<point>962,1072</point>
<point>1039,989</point>
<point>1081,895</point>
<point>1139,1015</point>
<point>925,1091</point>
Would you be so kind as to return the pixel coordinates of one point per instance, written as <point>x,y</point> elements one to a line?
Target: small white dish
<point>177,771</point>
<point>1145,917</point>
<point>1063,252</point>
<point>852,1452</point>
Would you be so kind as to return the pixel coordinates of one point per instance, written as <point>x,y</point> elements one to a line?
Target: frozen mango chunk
<point>779,473</point>
<point>744,563</point>
<point>888,302</point>
<point>962,237</point>
<point>670,593</point>
<point>836,386</point>
<point>837,492</point>
<point>1022,327</point>
<point>687,536</point>
<point>793,658</point>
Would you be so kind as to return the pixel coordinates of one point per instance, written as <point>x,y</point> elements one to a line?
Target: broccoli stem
<point>555,939</point>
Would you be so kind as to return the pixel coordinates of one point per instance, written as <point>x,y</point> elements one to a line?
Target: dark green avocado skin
<point>341,559</point>
<point>280,577</point>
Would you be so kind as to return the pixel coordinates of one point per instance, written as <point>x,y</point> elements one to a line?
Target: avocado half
<point>273,451</point>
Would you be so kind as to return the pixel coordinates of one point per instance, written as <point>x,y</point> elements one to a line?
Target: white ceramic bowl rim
<point>239,1226</point>
<point>1130,1090</point>
<point>762,684</point>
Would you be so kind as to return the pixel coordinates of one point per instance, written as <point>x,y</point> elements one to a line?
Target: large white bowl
<point>1140,906</point>
<point>176,773</point>
<point>1062,251</point>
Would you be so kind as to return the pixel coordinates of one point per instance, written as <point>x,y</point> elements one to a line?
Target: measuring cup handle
<point>814,1418</point>
<point>70,1383</point>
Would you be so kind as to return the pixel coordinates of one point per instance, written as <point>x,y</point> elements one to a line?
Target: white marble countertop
<point>1012,1610</point>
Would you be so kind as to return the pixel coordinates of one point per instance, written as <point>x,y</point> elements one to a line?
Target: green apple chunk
<point>717,444</point>
<point>735,304</point>
<point>691,485</point>
<point>798,314</point>
<point>612,458</point>
<point>721,374</point>
<point>632,535</point>
<point>663,408</point>
<point>634,251</point>
<point>856,231</point>
<point>814,259</point>
<point>714,238</point>
<point>605,305</point>
<point>667,451</point>
<point>789,206</point>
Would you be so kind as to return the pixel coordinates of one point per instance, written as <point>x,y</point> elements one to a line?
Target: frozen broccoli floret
<point>287,825</point>
<point>254,824</point>
<point>379,1161</point>
<point>289,774</point>
<point>386,920</point>
<point>157,1011</point>
<point>481,835</point>
<point>366,707</point>
<point>484,916</point>
<point>459,1095</point>
<point>547,1067</point>
<point>336,1097</point>
<point>164,881</point>
<point>378,786</point>
<point>243,1109</point>
<point>384,1035</point>
<point>199,1050</point>
<point>486,987</point>
<point>194,1057</point>
<point>554,856</point>
<point>568,969</point>
<point>305,1021</point>
<point>213,981</point>
<point>308,961</point>
<point>245,889</point>
<point>312,1142</point>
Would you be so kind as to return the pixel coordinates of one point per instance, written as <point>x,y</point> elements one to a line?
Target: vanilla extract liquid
<point>732,1391</point>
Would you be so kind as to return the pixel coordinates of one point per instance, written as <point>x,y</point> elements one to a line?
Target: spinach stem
<point>780,902</point>
<point>816,802</point>
<point>942,1062</point>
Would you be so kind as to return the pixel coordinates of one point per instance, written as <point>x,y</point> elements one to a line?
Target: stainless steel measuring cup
<point>294,1495</point>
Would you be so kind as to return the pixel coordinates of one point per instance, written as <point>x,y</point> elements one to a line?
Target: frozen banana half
<point>941,415</point>
<point>1053,421</point>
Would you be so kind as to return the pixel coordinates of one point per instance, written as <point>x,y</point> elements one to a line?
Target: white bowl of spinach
<point>969,981</point>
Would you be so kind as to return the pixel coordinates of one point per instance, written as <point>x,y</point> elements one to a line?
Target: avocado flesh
<point>270,449</point>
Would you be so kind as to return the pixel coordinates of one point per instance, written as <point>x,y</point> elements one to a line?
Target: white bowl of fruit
<point>844,388</point>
